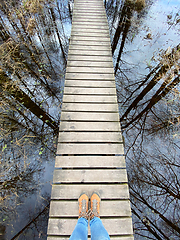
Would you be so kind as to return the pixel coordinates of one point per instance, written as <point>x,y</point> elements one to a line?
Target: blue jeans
<point>98,232</point>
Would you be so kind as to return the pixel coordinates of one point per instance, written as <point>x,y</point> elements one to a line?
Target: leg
<point>98,232</point>
<point>81,230</point>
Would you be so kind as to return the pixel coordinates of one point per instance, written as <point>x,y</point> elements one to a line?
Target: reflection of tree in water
<point>121,21</point>
<point>33,47</point>
<point>149,106</point>
<point>33,52</point>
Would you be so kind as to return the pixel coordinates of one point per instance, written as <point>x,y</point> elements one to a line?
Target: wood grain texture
<point>90,52</point>
<point>90,116</point>
<point>90,176</point>
<point>113,226</point>
<point>90,48</point>
<point>90,63</point>
<point>89,70</point>
<point>90,30</point>
<point>89,38</point>
<point>96,76</point>
<point>90,83</point>
<point>90,162</point>
<point>106,191</point>
<point>90,107</point>
<point>120,208</point>
<point>90,126</point>
<point>89,98</point>
<point>90,137</point>
<point>89,91</point>
<point>106,148</point>
<point>89,58</point>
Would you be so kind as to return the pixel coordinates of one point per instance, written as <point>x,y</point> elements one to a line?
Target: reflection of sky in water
<point>141,50</point>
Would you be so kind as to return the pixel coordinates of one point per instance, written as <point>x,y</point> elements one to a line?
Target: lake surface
<point>148,33</point>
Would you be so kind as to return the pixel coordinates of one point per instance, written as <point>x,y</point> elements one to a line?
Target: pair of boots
<point>89,212</point>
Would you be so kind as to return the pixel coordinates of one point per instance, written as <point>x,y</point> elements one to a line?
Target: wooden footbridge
<point>90,154</point>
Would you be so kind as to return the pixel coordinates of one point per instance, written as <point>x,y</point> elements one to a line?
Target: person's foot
<point>95,205</point>
<point>83,205</point>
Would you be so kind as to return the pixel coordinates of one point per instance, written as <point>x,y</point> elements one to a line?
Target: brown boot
<point>95,205</point>
<point>83,205</point>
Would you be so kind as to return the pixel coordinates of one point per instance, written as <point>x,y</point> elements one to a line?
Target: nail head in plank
<point>90,161</point>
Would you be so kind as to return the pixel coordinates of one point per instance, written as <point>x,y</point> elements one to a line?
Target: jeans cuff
<point>83,221</point>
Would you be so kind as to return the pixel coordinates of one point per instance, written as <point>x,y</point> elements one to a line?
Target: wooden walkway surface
<point>90,154</point>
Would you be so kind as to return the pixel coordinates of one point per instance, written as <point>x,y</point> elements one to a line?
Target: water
<point>26,172</point>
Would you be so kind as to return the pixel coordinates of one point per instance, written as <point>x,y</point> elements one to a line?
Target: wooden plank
<point>89,12</point>
<point>106,191</point>
<point>90,43</point>
<point>89,107</point>
<point>89,48</point>
<point>90,126</point>
<point>89,175</point>
<point>89,69</point>
<point>96,76</point>
<point>90,161</point>
<point>86,148</point>
<point>89,38</point>
<point>90,58</point>
<point>85,83</point>
<point>90,34</point>
<point>88,7</point>
<point>120,208</point>
<point>89,116</point>
<point>112,238</point>
<point>92,7</point>
<point>90,16</point>
<point>90,19</point>
<point>117,226</point>
<point>86,22</point>
<point>90,137</point>
<point>90,52</point>
<point>87,26</point>
<point>89,98</point>
<point>90,91</point>
<point>89,64</point>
